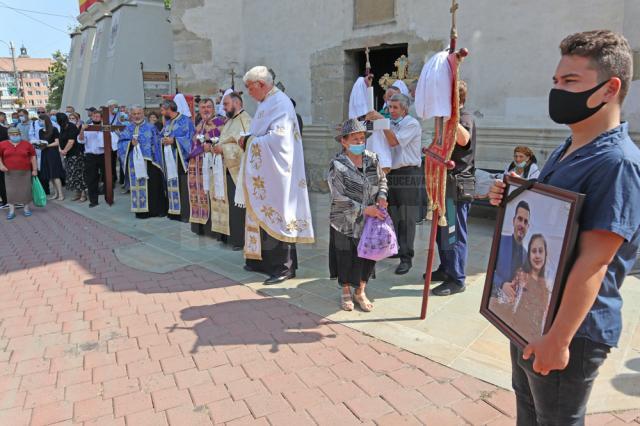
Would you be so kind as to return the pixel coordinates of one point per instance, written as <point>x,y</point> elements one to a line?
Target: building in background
<point>317,50</point>
<point>121,50</point>
<point>32,87</point>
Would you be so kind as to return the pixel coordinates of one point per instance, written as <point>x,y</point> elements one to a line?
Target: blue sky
<point>40,38</point>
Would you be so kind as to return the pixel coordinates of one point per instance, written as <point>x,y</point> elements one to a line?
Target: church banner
<point>154,86</point>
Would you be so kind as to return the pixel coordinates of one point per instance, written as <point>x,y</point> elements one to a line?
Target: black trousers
<point>236,216</point>
<point>156,193</point>
<point>404,184</point>
<point>185,210</point>
<point>278,257</point>
<point>3,189</point>
<point>93,172</point>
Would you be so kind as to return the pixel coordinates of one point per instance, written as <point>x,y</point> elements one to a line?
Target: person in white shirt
<point>524,164</point>
<point>93,157</point>
<point>405,176</point>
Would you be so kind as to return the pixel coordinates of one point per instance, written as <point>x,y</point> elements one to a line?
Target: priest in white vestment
<point>274,182</point>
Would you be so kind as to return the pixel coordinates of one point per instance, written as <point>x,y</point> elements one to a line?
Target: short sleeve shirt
<point>607,171</point>
<point>17,157</point>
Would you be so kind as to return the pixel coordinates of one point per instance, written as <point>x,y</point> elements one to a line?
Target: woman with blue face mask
<point>358,189</point>
<point>524,163</point>
<point>18,163</point>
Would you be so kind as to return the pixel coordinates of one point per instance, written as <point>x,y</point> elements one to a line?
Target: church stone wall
<point>513,54</point>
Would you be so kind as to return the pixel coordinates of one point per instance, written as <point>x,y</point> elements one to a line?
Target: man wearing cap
<point>274,181</point>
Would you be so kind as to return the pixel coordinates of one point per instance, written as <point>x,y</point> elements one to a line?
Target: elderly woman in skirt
<point>18,162</point>
<point>358,189</point>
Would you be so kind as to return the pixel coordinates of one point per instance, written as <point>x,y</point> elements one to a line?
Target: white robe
<point>274,181</point>
<point>358,107</point>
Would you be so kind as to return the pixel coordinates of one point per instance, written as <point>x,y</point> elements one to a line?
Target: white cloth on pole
<point>139,165</point>
<point>433,93</point>
<point>218,178</point>
<point>183,107</point>
<point>358,104</point>
<point>170,162</point>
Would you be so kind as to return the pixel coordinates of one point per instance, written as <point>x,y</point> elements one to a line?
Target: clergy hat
<point>352,126</point>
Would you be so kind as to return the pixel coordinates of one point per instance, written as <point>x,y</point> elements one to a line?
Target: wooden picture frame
<point>531,256</point>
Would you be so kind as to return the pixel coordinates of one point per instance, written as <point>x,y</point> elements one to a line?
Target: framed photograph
<point>532,251</point>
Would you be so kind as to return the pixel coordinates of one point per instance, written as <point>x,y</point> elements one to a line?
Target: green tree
<point>57,74</point>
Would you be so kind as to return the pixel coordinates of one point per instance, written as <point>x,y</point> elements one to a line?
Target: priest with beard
<point>227,218</point>
<point>274,182</point>
<point>207,131</point>
<point>139,147</point>
<point>176,137</point>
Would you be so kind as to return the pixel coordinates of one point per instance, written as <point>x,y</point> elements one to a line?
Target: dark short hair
<point>608,51</point>
<point>236,96</point>
<point>2,113</point>
<point>462,91</point>
<point>170,104</point>
<point>522,205</point>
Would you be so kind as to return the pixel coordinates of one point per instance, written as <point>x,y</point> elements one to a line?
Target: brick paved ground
<point>87,340</point>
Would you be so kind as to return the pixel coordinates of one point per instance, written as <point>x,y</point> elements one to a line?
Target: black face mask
<point>569,107</point>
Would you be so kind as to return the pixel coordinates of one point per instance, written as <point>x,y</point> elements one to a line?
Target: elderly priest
<point>139,146</point>
<point>274,182</point>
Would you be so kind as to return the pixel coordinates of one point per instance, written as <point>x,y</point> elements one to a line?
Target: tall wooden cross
<point>454,31</point>
<point>106,128</point>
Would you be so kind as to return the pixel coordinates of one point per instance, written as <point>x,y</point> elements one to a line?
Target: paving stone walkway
<point>87,340</point>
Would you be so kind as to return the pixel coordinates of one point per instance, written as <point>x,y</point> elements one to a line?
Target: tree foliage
<point>57,74</point>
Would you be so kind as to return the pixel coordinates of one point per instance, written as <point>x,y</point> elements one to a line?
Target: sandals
<point>27,213</point>
<point>11,215</point>
<point>364,303</point>
<point>346,302</point>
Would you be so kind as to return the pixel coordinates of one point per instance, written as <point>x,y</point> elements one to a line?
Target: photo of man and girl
<point>525,269</point>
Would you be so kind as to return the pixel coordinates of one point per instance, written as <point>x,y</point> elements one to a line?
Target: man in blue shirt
<point>511,252</point>
<point>554,375</point>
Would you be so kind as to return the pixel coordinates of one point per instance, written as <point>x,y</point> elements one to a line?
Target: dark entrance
<point>382,60</point>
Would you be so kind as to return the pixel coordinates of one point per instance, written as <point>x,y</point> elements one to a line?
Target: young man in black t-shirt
<point>453,257</point>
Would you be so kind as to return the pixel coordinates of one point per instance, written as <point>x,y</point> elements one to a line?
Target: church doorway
<point>382,60</point>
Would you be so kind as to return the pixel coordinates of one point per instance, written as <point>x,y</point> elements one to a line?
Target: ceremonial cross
<point>106,130</point>
<point>454,33</point>
<point>233,82</point>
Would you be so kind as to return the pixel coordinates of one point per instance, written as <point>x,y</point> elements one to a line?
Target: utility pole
<point>15,73</point>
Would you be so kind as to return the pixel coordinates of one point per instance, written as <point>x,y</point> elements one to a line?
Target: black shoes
<point>448,289</point>
<point>277,279</point>
<point>437,275</point>
<point>403,268</point>
<point>237,248</point>
<point>92,205</point>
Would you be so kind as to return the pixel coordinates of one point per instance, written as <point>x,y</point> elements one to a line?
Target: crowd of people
<point>241,179</point>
